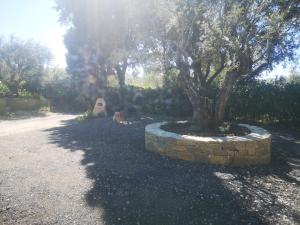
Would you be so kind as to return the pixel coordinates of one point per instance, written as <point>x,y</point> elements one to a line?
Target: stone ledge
<point>251,149</point>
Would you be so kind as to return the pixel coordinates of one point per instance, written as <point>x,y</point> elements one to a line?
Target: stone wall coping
<point>256,133</point>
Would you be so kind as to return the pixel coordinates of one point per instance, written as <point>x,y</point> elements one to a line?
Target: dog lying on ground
<point>118,117</point>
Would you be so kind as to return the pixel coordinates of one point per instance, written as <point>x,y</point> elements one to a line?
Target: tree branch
<point>259,69</point>
<point>218,71</point>
<point>207,69</point>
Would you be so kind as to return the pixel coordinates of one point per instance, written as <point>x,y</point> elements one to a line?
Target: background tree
<point>22,64</point>
<point>103,39</point>
<point>294,76</point>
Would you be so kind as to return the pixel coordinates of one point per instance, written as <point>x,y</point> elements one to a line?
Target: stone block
<point>212,146</point>
<point>185,155</point>
<point>251,145</point>
<point>200,157</point>
<point>199,150</point>
<point>220,160</point>
<point>263,159</point>
<point>180,148</point>
<point>251,151</point>
<point>264,148</point>
<point>240,147</point>
<point>241,161</point>
<point>170,153</point>
<point>221,152</point>
<point>235,148</point>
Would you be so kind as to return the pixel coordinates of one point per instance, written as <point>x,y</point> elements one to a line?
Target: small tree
<point>226,40</point>
<point>22,64</point>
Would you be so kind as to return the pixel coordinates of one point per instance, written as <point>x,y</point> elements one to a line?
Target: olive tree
<point>22,64</point>
<point>226,40</point>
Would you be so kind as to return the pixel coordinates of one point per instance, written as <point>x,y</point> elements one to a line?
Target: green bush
<point>85,116</point>
<point>255,101</point>
<point>266,102</point>
<point>153,101</point>
<point>26,94</point>
<point>4,90</point>
<point>59,89</point>
<point>67,100</point>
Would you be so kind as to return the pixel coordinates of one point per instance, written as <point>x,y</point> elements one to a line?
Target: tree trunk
<point>203,106</point>
<point>122,92</point>
<point>14,88</point>
<point>121,71</point>
<point>222,99</point>
<point>203,113</point>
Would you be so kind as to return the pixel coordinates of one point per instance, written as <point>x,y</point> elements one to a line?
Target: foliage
<point>102,40</point>
<point>294,76</point>
<point>58,88</point>
<point>204,46</point>
<point>159,101</point>
<point>261,101</point>
<point>147,80</point>
<point>26,94</point>
<point>4,90</point>
<point>253,101</point>
<point>85,116</point>
<point>226,41</point>
<point>22,65</point>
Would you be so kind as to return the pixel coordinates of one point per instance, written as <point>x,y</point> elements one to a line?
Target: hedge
<point>257,101</point>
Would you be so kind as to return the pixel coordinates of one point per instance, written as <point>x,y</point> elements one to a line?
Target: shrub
<point>255,101</point>
<point>59,90</point>
<point>85,116</point>
<point>261,101</point>
<point>4,90</point>
<point>26,94</point>
<point>153,101</point>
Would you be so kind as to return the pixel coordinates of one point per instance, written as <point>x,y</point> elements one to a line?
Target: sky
<point>38,20</point>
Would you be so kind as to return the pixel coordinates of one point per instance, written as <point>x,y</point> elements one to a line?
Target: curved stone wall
<point>252,149</point>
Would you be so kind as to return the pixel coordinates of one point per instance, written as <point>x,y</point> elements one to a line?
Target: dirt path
<point>54,170</point>
<point>14,127</point>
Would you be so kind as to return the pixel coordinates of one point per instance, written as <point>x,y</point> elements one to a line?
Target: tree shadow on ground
<point>274,190</point>
<point>134,186</point>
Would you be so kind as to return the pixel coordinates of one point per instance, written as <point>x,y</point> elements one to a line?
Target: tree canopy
<point>22,64</point>
<point>212,43</point>
<point>226,40</point>
<point>103,38</point>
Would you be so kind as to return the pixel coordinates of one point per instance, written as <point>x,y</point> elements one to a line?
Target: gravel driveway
<point>54,170</point>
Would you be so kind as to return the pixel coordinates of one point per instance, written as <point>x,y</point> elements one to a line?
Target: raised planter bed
<point>251,149</point>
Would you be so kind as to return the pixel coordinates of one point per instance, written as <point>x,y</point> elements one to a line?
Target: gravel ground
<point>54,170</point>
